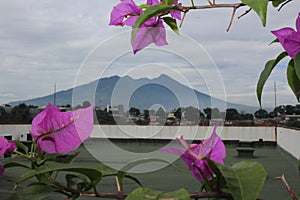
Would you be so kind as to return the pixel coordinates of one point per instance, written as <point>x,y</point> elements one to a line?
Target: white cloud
<point>45,42</point>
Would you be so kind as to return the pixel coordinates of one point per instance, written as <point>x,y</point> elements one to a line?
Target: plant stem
<point>289,189</point>
<point>195,195</point>
<point>22,154</point>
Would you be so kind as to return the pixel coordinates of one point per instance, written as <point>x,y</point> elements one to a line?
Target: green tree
<point>289,110</point>
<point>207,112</point>
<point>177,113</point>
<point>261,113</point>
<point>232,114</point>
<point>280,109</point>
<point>146,115</point>
<point>4,116</point>
<point>105,117</point>
<point>134,111</point>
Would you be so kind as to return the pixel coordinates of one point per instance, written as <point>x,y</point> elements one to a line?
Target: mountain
<point>142,93</point>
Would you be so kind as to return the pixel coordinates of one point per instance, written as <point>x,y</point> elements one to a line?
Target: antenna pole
<point>54,95</point>
<point>275,98</point>
<point>275,105</point>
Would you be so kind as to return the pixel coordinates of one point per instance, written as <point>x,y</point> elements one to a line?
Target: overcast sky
<point>69,43</point>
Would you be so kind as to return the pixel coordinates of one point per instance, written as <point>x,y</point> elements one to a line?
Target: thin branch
<point>118,185</point>
<point>289,189</point>
<point>229,5</point>
<point>183,17</point>
<point>245,13</point>
<point>231,19</point>
<point>284,4</point>
<point>62,186</point>
<point>195,195</point>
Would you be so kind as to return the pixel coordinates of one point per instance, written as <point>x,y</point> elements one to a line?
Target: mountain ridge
<point>141,93</point>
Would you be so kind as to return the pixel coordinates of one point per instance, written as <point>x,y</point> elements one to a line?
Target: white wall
<point>289,140</point>
<point>162,132</point>
<point>189,132</point>
<point>14,130</point>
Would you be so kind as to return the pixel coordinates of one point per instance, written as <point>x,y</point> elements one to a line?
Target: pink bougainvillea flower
<point>289,38</point>
<point>61,132</point>
<point>193,154</point>
<point>152,31</point>
<point>6,146</point>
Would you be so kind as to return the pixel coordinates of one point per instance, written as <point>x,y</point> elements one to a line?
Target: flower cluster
<point>5,146</point>
<point>152,31</point>
<point>193,154</point>
<point>289,38</point>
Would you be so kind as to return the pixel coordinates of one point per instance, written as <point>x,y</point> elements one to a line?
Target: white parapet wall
<point>189,132</point>
<point>14,130</point>
<point>289,140</point>
<point>162,132</point>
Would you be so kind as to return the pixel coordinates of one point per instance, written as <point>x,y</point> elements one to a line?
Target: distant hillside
<point>141,93</point>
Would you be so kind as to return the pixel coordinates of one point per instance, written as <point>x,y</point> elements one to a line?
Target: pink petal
<point>146,36</point>
<point>298,23</point>
<point>4,145</point>
<point>152,2</point>
<point>131,21</point>
<point>292,44</point>
<point>121,10</point>
<point>60,132</point>
<point>176,151</point>
<point>11,147</point>
<point>176,13</point>
<point>213,148</point>
<point>282,34</point>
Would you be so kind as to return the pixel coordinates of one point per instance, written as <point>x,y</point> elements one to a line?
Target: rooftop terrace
<point>275,160</point>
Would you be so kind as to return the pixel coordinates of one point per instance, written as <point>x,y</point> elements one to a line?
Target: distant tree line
<point>18,114</point>
<point>23,113</point>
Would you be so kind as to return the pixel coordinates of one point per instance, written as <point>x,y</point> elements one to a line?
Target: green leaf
<point>274,41</point>
<point>172,23</point>
<point>180,194</point>
<point>15,164</point>
<point>66,158</point>
<point>147,14</point>
<point>79,180</point>
<point>168,2</point>
<point>243,180</point>
<point>121,174</point>
<point>148,194</point>
<point>107,171</point>
<point>93,174</point>
<point>276,3</point>
<point>297,65</point>
<point>264,75</point>
<point>134,179</point>
<point>33,192</point>
<point>293,79</point>
<point>135,163</point>
<point>21,146</point>
<point>143,6</point>
<point>260,7</point>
